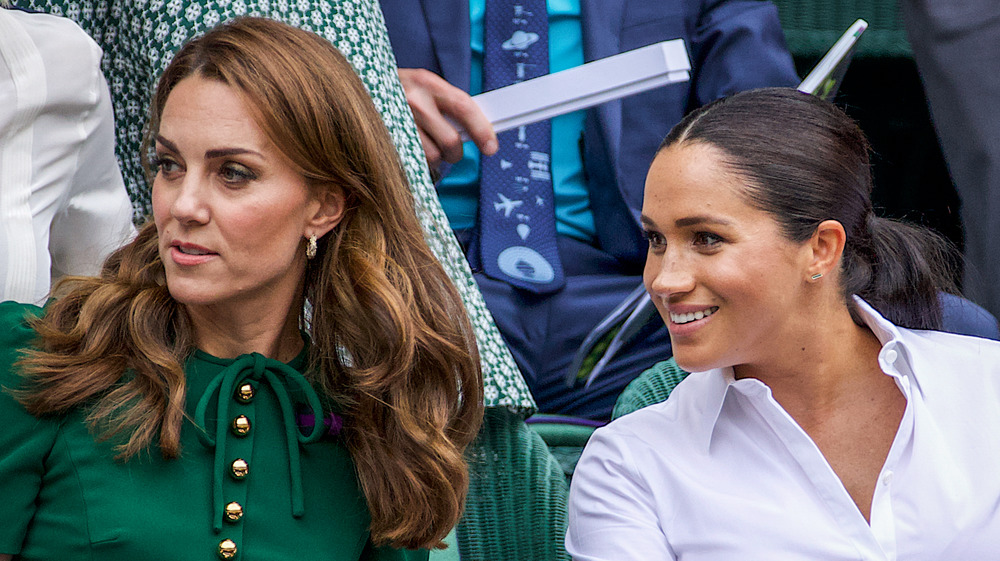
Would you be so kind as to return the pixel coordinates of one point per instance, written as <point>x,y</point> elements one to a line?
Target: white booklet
<point>586,85</point>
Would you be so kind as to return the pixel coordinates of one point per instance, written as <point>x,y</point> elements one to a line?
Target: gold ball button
<point>245,393</point>
<point>240,468</point>
<point>241,426</point>
<point>227,549</point>
<point>234,512</point>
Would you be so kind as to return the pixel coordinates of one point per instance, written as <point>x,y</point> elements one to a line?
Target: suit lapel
<point>448,24</point>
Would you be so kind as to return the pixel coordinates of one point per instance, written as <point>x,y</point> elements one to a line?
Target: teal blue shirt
<point>459,189</point>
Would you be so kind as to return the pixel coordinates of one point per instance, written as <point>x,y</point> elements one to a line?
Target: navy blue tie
<point>517,222</point>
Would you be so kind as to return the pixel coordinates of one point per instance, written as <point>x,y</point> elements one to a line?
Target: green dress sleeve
<point>24,439</point>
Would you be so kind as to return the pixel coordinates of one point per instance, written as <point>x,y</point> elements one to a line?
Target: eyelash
<point>704,240</point>
<point>237,173</point>
<point>243,174</point>
<point>159,161</point>
<point>655,240</point>
<point>707,239</point>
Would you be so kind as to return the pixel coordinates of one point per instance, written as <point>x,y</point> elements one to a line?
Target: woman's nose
<point>667,275</point>
<point>190,205</point>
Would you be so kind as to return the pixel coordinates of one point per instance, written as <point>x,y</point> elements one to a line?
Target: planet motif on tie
<point>525,264</point>
<point>519,41</point>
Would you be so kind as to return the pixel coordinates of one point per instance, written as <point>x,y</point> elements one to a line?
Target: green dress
<point>274,491</point>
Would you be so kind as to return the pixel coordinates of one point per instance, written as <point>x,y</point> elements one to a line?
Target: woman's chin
<point>694,360</point>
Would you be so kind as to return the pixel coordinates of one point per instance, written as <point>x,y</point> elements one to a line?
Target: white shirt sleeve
<point>612,512</point>
<point>63,203</point>
<point>96,215</point>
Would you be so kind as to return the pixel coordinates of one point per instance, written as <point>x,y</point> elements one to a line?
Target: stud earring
<point>817,276</point>
<point>311,247</point>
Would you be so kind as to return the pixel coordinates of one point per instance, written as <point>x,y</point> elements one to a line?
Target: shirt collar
<point>719,382</point>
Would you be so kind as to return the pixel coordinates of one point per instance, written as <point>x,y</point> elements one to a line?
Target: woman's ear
<point>329,211</point>
<point>826,248</point>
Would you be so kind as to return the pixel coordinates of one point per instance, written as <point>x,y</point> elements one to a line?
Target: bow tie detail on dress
<point>280,377</point>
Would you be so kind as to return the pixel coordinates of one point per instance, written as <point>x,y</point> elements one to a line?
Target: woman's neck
<point>826,363</point>
<point>228,333</point>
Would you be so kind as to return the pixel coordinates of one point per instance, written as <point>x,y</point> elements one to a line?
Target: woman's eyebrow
<point>700,219</point>
<point>221,152</point>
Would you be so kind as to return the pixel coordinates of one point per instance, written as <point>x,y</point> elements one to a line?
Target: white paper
<point>586,85</point>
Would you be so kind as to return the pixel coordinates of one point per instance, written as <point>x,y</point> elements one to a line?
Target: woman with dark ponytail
<point>824,418</point>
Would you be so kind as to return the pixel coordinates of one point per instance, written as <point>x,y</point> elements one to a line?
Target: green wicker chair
<point>652,386</point>
<point>517,495</point>
<point>565,436</point>
<point>811,26</point>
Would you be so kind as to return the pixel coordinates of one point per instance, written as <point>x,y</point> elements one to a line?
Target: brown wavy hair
<point>392,344</point>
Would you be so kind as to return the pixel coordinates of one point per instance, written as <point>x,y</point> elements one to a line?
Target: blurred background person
<point>956,46</point>
<point>63,205</point>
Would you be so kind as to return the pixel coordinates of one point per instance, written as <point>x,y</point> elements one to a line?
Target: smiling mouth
<point>692,316</point>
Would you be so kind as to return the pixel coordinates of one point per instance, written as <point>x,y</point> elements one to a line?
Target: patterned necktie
<point>516,205</point>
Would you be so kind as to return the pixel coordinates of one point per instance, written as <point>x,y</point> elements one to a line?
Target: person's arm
<point>612,512</point>
<point>5,557</point>
<point>739,45</point>
<point>434,101</point>
<point>96,215</point>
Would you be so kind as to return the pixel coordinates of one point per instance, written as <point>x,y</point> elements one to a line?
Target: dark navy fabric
<point>966,318</point>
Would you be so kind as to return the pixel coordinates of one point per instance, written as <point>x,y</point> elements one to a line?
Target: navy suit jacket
<point>733,45</point>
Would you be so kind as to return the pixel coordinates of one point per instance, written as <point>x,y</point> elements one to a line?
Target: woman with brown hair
<point>183,402</point>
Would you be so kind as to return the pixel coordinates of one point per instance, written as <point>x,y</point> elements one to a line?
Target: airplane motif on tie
<point>506,205</point>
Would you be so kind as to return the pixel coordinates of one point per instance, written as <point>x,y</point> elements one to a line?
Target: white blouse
<point>63,205</point>
<point>720,471</point>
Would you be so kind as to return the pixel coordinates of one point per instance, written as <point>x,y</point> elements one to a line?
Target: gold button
<point>241,425</point>
<point>234,512</point>
<point>240,468</point>
<point>227,549</point>
<point>245,393</point>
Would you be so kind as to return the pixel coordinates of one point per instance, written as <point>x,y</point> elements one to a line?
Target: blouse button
<point>234,512</point>
<point>227,549</point>
<point>240,468</point>
<point>887,478</point>
<point>245,393</point>
<point>241,425</point>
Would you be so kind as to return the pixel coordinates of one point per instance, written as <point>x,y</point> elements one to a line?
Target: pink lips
<point>186,254</point>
